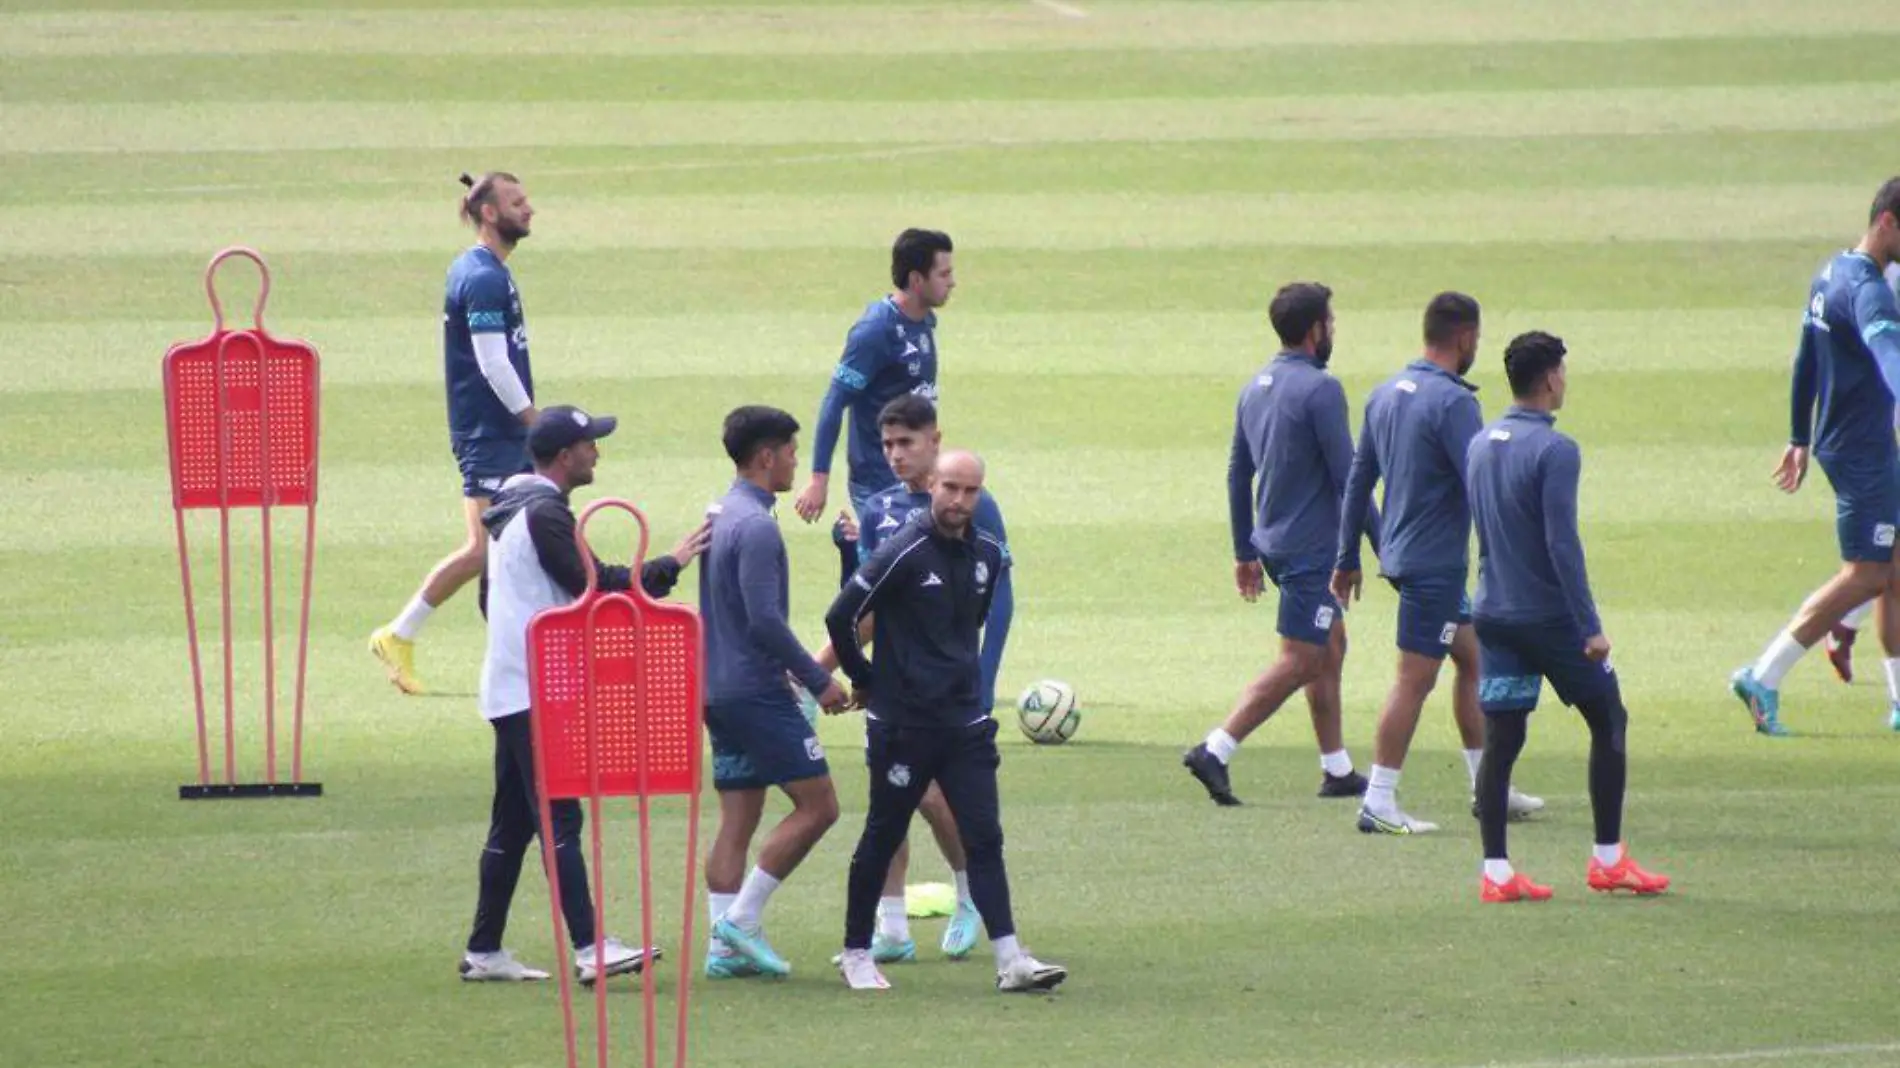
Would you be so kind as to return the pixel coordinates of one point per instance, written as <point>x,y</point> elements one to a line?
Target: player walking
<point>1290,429</point>
<point>1413,438</point>
<point>490,394</point>
<point>1846,379</point>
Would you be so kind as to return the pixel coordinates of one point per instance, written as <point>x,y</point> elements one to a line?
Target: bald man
<point>928,589</point>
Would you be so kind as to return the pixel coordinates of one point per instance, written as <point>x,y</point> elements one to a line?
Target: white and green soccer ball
<point>1047,712</point>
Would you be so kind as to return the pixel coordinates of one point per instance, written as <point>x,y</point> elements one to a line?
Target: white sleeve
<point>491,352</point>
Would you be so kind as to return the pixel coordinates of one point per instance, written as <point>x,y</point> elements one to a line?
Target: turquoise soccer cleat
<point>959,938</point>
<point>1763,704</point>
<point>723,963</point>
<point>752,946</point>
<point>1893,717</point>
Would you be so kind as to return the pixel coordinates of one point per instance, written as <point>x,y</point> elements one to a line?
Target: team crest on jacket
<point>982,573</point>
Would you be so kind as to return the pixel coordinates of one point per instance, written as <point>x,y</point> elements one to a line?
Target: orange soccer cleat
<point>1625,875</point>
<point>1518,888</point>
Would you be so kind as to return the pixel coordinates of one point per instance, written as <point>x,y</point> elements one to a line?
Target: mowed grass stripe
<point>1452,164</point>
<point>912,28</point>
<point>1855,106</point>
<point>404,350</point>
<point>1593,276</point>
<point>364,504</point>
<point>1270,71</point>
<point>1028,222</point>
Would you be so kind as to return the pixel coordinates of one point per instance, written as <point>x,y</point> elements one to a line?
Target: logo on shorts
<point>814,750</point>
<point>1323,619</point>
<point>493,486</point>
<point>1883,535</point>
<point>899,775</point>
<point>931,579</point>
<point>1445,636</point>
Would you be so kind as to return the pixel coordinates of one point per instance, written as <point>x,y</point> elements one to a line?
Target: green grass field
<point>1127,183</point>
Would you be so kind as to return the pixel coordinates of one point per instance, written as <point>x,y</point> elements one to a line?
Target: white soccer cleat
<point>619,958</point>
<point>1392,821</point>
<point>1026,974</point>
<point>860,971</point>
<point>1522,806</point>
<point>497,967</point>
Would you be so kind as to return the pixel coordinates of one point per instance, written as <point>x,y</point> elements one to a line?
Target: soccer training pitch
<point>1127,182</point>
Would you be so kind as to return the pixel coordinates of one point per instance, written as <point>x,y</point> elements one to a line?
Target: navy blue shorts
<point>488,462</point>
<point>1866,504</point>
<point>1307,608</point>
<point>762,741</point>
<point>1431,609</point>
<point>1516,658</point>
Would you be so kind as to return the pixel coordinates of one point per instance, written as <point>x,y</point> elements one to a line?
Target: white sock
<point>1781,655</point>
<point>1381,794</point>
<point>1893,681</point>
<point>1336,763</point>
<point>1858,616</point>
<point>1499,871</point>
<point>1607,854</point>
<point>716,906</point>
<point>963,884</point>
<point>892,922</point>
<point>753,894</point>
<point>1221,744</point>
<point>412,618</point>
<point>1472,759</point>
<point>1006,950</point>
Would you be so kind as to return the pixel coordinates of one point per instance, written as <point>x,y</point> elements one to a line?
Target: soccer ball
<point>1047,712</point>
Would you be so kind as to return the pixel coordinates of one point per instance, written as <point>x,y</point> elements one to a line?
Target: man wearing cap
<point>534,564</point>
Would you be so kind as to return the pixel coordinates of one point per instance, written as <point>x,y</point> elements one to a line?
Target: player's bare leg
<point>1398,722</point>
<point>814,810</point>
<point>1298,665</point>
<point>394,644</point>
<point>1323,701</point>
<point>1840,640</point>
<point>739,815</point>
<point>1887,615</point>
<point>1759,684</point>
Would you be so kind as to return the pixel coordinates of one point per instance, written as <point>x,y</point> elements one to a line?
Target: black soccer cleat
<point>1207,767</point>
<point>1351,784</point>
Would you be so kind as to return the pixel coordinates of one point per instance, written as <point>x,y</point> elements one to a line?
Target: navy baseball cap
<point>563,426</point>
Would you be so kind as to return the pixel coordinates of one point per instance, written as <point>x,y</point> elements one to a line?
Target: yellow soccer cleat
<point>399,658</point>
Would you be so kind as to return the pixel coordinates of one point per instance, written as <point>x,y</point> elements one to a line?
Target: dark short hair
<point>910,411</point>
<point>916,250</point>
<point>1297,308</point>
<point>1528,358</point>
<point>1447,315</point>
<point>1886,201</point>
<point>754,427</point>
<point>481,191</point>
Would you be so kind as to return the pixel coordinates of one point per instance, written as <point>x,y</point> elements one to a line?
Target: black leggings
<point>1504,735</point>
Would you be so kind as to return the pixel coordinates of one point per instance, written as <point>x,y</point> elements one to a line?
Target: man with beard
<point>535,564</point>
<point>1417,428</point>
<point>490,399</point>
<point>928,589</point>
<point>1290,429</point>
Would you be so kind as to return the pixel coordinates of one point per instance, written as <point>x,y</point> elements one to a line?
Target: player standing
<point>912,440</point>
<point>759,737</point>
<point>891,351</point>
<point>1536,620</point>
<point>1290,428</point>
<point>1849,362</point>
<point>928,589</point>
<point>1413,438</point>
<point>490,394</point>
